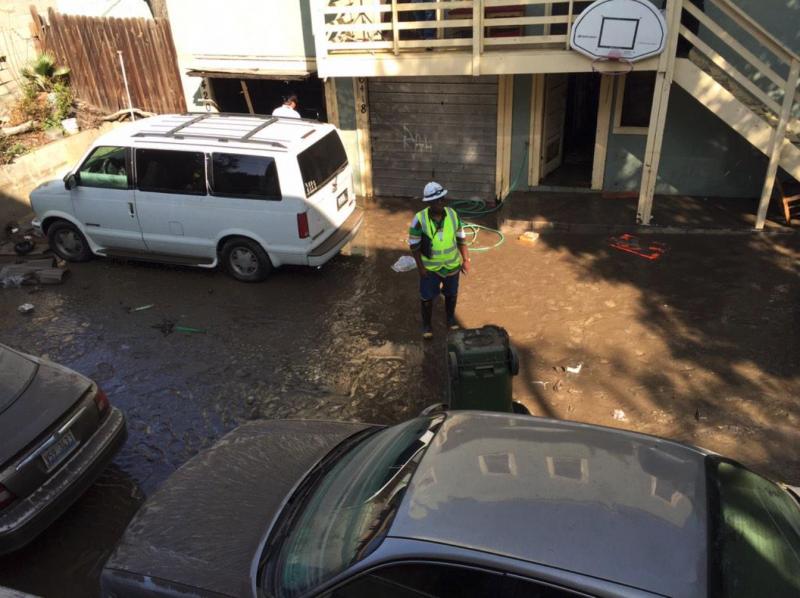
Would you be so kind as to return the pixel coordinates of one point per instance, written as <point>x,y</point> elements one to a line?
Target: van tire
<point>68,242</point>
<point>245,260</point>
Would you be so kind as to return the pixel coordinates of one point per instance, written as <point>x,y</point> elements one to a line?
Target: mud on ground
<point>699,346</point>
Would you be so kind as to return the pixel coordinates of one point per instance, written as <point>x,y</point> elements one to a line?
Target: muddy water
<point>699,346</point>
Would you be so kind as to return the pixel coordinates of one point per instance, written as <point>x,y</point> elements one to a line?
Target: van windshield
<point>320,162</point>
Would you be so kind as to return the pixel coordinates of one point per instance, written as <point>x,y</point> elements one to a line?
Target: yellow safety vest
<point>444,246</point>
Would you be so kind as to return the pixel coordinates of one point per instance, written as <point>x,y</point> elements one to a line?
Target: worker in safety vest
<point>438,244</point>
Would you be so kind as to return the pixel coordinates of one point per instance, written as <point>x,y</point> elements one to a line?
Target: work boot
<point>426,307</point>
<point>450,312</point>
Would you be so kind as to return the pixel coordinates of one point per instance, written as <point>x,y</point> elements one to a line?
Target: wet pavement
<point>699,346</point>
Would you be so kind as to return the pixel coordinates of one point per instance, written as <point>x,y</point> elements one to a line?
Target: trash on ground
<point>24,247</point>
<point>574,369</point>
<point>620,416</point>
<point>628,243</point>
<point>189,330</point>
<point>141,307</point>
<point>405,263</point>
<point>25,308</point>
<point>541,383</point>
<point>31,272</point>
<point>166,326</point>
<point>529,237</point>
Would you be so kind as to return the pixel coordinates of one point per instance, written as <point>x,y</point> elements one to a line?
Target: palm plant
<point>43,73</point>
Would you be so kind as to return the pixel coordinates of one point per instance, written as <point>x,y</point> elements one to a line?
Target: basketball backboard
<point>619,29</point>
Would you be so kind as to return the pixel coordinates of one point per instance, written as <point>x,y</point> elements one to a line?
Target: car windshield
<point>351,506</point>
<point>16,372</point>
<point>757,539</point>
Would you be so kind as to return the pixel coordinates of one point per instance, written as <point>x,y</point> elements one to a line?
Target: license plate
<point>59,451</point>
<point>341,199</point>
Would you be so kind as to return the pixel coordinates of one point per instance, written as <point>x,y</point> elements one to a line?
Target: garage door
<point>442,129</point>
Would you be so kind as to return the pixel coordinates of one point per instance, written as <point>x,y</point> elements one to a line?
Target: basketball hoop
<point>612,72</point>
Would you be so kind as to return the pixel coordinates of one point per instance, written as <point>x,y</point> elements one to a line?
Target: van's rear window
<point>321,161</point>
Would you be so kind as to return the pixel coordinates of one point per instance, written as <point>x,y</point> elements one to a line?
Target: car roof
<point>615,505</point>
<point>209,131</point>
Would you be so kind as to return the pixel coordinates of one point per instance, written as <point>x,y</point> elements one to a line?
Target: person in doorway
<point>439,246</point>
<point>289,107</point>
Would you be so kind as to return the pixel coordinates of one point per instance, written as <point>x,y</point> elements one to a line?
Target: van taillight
<point>302,225</point>
<point>6,497</point>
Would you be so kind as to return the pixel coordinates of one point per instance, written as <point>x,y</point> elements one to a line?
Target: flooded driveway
<point>700,345</point>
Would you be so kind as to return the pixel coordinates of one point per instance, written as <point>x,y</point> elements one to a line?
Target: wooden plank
<point>477,34</point>
<point>246,93</point>
<point>746,22</point>
<point>537,125</point>
<point>361,96</point>
<point>731,42</point>
<point>778,136</point>
<point>732,71</point>
<point>504,114</point>
<point>535,40</point>
<point>601,133</point>
<point>331,101</point>
<point>521,21</point>
<point>658,115</point>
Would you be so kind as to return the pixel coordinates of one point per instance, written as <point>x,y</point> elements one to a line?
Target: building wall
<point>266,35</point>
<point>16,46</point>
<point>345,96</point>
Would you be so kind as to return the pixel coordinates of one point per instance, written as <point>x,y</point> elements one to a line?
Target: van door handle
<point>130,209</point>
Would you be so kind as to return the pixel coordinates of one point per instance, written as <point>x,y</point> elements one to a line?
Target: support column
<point>601,134</point>
<point>331,103</point>
<point>658,114</point>
<point>362,135</point>
<point>505,110</point>
<point>776,143</point>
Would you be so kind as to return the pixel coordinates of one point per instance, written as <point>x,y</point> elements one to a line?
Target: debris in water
<point>141,307</point>
<point>528,238</point>
<point>166,326</point>
<point>188,330</point>
<point>620,416</point>
<point>25,308</point>
<point>631,244</point>
<point>574,369</point>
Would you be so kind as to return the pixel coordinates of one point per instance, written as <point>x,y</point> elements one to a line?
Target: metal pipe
<point>125,80</point>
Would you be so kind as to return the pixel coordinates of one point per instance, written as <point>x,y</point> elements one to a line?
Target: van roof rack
<point>182,131</point>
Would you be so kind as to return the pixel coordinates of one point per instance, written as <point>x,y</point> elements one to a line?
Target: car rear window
<point>756,534</point>
<point>320,162</point>
<point>16,372</point>
<point>239,175</point>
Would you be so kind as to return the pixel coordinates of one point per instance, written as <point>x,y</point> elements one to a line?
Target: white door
<point>553,121</point>
<point>103,200</point>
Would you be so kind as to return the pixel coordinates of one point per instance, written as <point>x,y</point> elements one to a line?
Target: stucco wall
<point>16,45</point>
<point>51,161</point>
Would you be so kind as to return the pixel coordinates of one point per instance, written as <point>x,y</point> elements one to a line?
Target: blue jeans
<point>433,284</point>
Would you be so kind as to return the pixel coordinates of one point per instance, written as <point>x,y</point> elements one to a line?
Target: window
<point>634,101</point>
<point>441,580</point>
<point>755,534</point>
<point>348,508</point>
<point>236,175</point>
<point>106,167</point>
<point>166,171</point>
<point>321,162</point>
<point>425,580</point>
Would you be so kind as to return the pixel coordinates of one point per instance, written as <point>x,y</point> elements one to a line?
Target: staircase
<point>757,106</point>
<point>745,115</point>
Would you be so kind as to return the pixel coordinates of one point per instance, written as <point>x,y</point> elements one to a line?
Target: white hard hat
<point>433,191</point>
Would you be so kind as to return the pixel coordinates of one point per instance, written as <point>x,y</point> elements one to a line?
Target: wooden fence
<point>89,46</point>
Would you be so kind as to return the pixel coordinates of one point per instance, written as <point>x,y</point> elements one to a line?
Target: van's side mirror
<point>70,182</point>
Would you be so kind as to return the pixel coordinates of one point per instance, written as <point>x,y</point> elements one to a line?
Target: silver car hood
<point>205,527</point>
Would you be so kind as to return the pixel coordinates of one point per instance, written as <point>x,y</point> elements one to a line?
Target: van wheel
<point>245,260</point>
<point>68,243</point>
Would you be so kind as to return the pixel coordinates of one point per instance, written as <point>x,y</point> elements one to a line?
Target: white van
<point>248,192</point>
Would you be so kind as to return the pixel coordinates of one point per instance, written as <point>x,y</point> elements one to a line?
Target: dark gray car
<point>458,504</point>
<point>57,433</point>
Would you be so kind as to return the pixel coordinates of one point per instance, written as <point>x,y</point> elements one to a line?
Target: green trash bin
<point>481,363</point>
